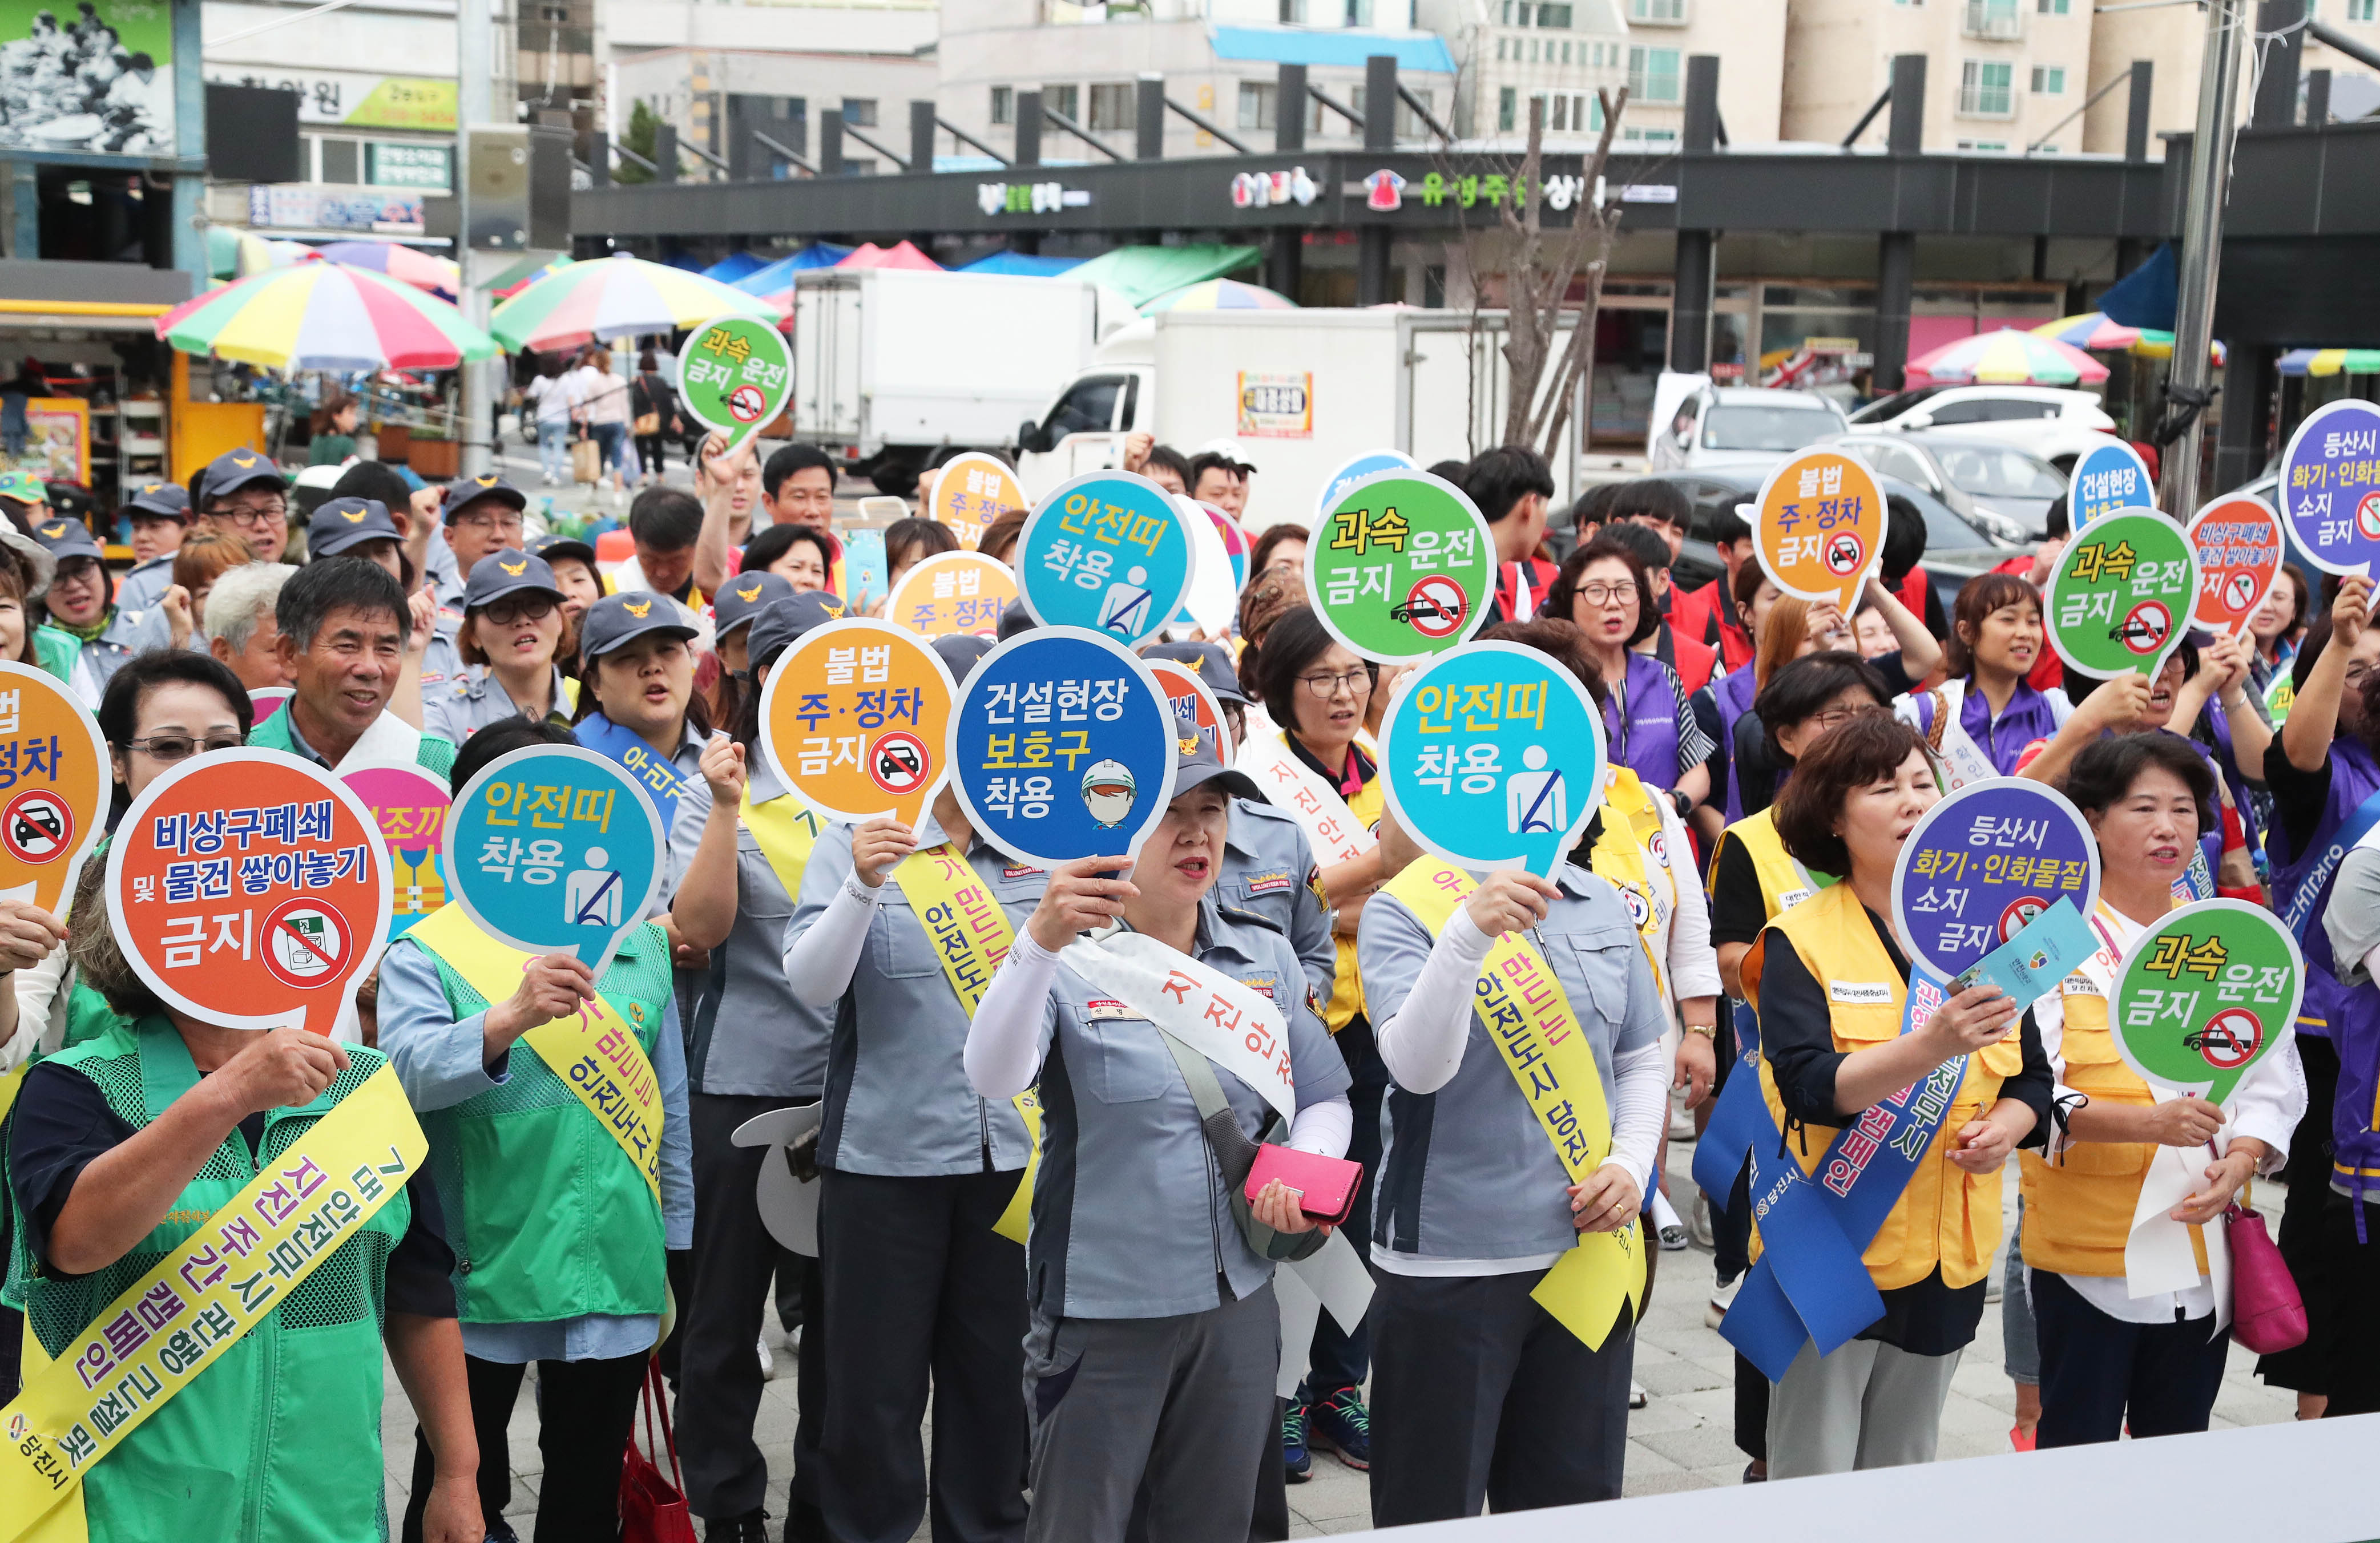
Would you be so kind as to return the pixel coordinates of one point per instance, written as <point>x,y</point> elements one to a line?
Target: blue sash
<point>1810,1284</point>
<point>2300,909</point>
<point>657,777</point>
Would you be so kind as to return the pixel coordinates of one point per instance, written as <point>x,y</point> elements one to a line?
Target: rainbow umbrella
<point>513,287</point>
<point>1220,295</point>
<point>2330,361</point>
<point>2090,329</point>
<point>2010,357</point>
<point>324,316</point>
<point>614,296</point>
<point>400,263</point>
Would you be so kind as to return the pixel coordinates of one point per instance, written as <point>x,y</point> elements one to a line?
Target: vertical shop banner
<point>1062,747</point>
<point>251,889</point>
<point>2122,594</point>
<point>1495,758</point>
<point>1110,552</point>
<point>55,785</point>
<point>953,593</point>
<point>855,720</point>
<point>1818,526</point>
<point>2330,486</point>
<point>2108,477</point>
<point>2240,548</point>
<point>735,374</point>
<point>1983,864</point>
<point>410,806</point>
<point>1402,568</point>
<point>2206,994</point>
<point>970,491</point>
<point>555,849</point>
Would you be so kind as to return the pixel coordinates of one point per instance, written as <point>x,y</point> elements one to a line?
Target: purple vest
<point>2226,766</point>
<point>1734,693</point>
<point>2027,718</point>
<point>1647,741</point>
<point>2354,777</point>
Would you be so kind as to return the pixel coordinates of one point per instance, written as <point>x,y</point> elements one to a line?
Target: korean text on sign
<point>531,807</point>
<point>1473,708</point>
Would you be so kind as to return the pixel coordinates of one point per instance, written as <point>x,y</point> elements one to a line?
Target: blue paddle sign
<point>555,849</point>
<point>1110,553</point>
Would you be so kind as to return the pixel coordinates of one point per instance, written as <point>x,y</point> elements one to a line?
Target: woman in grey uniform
<point>1156,1338</point>
<point>916,1171</point>
<point>512,625</point>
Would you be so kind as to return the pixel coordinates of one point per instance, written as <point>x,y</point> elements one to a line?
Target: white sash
<point>390,739</point>
<point>1294,788</point>
<point>1238,1029</point>
<point>1963,760</point>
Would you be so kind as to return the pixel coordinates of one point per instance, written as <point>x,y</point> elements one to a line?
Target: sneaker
<point>1637,1396</point>
<point>750,1528</point>
<point>768,1362</point>
<point>1721,1300</point>
<point>1294,1455</point>
<point>1343,1425</point>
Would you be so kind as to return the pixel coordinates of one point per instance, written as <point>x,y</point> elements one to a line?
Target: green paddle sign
<point>735,374</point>
<point>2122,594</point>
<point>2206,994</point>
<point>1402,568</point>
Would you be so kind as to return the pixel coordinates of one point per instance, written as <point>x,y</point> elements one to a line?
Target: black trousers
<point>2349,1267</point>
<point>584,1413</point>
<point>1337,1358</point>
<point>1478,1395</point>
<point>727,1291</point>
<point>921,1292</point>
<point>2100,1376</point>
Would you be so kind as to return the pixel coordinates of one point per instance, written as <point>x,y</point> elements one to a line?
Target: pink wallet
<point>1328,1184</point>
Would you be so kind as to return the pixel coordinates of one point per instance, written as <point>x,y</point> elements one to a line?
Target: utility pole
<point>2192,378</point>
<point>474,104</point>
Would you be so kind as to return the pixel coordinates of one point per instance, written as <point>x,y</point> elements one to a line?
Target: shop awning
<point>1022,263</point>
<point>99,316</point>
<point>778,276</point>
<point>736,265</point>
<point>1142,273</point>
<point>1342,46</point>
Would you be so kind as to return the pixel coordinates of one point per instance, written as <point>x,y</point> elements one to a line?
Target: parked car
<point>1956,549</point>
<point>2055,424</point>
<point>1743,426</point>
<point>1998,488</point>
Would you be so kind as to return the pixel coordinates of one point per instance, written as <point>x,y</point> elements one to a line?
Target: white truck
<point>1301,392</point>
<point>891,366</point>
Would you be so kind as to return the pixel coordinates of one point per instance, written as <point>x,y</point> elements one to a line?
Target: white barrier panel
<point>2289,1483</point>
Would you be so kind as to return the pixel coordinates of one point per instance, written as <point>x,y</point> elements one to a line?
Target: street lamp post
<point>2192,378</point>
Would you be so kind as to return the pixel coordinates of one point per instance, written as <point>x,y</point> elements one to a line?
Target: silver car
<point>1749,428</point>
<point>2000,488</point>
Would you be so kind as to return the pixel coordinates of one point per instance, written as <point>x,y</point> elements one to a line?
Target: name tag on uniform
<point>1262,985</point>
<point>1009,873</point>
<point>2080,985</point>
<point>1792,898</point>
<point>1269,883</point>
<point>1862,993</point>
<point>1105,1007</point>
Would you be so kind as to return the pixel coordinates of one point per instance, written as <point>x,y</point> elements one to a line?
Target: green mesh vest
<point>279,1440</point>
<point>549,1218</point>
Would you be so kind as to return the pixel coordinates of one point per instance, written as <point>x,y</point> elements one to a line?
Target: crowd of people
<point>1031,1193</point>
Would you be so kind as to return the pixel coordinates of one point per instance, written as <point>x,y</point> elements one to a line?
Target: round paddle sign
<point>1818,526</point>
<point>1495,757</point>
<point>1193,702</point>
<point>250,888</point>
<point>1402,568</point>
<point>1062,745</point>
<point>1983,863</point>
<point>410,806</point>
<point>1354,469</point>
<point>854,717</point>
<point>1110,552</point>
<point>971,491</point>
<point>2240,548</point>
<point>2122,592</point>
<point>953,593</point>
<point>2108,477</point>
<point>2206,994</point>
<point>735,375</point>
<point>55,784</point>
<point>2330,486</point>
<point>555,849</point>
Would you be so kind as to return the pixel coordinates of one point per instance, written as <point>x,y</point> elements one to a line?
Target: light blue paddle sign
<point>555,849</point>
<point>1109,553</point>
<point>1495,757</point>
<point>2330,487</point>
<point>2109,477</point>
<point>1371,463</point>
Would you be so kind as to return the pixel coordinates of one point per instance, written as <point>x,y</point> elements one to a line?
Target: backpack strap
<point>1234,1155</point>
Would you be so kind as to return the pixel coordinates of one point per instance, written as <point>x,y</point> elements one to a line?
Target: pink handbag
<point>2268,1314</point>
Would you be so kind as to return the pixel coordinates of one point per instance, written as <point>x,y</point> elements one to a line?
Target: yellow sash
<point>1619,856</point>
<point>971,936</point>
<point>1528,1016</point>
<point>785,828</point>
<point>598,1057</point>
<point>63,1423</point>
<point>9,1083</point>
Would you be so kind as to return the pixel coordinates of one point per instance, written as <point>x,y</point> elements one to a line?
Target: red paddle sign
<point>53,785</point>
<point>249,888</point>
<point>2240,554</point>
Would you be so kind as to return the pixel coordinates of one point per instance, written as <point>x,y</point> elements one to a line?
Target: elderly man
<point>243,493</point>
<point>343,624</point>
<point>104,634</point>
<point>240,626</point>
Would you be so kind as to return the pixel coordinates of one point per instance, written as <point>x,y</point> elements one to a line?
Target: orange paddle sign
<point>1819,527</point>
<point>54,782</point>
<point>970,491</point>
<point>953,593</point>
<point>854,719</point>
<point>251,889</point>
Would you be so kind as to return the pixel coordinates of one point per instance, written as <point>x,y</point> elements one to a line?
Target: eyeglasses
<point>511,609</point>
<point>1836,717</point>
<point>181,747</point>
<point>1357,683</point>
<point>251,517</point>
<point>483,523</point>
<point>1618,592</point>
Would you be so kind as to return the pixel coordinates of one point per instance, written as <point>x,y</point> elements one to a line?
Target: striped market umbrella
<point>619,296</point>
<point>400,263</point>
<point>1220,295</point>
<point>323,316</point>
<point>2090,329</point>
<point>2010,357</point>
<point>2330,361</point>
<point>512,281</point>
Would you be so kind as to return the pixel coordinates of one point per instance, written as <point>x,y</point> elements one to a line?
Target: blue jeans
<point>609,438</point>
<point>554,448</point>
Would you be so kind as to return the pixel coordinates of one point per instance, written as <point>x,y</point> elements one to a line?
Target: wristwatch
<point>1708,1031</point>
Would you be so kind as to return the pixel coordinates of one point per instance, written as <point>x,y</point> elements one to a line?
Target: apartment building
<point>2176,49</point>
<point>2001,75</point>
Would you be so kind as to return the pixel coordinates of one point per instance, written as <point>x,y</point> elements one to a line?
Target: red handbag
<point>652,1509</point>
<point>2267,1314</point>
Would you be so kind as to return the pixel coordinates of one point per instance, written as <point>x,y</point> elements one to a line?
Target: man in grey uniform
<point>482,516</point>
